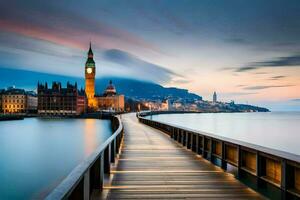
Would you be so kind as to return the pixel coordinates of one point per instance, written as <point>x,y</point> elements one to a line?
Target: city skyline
<point>245,52</point>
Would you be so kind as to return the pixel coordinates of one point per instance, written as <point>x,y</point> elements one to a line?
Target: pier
<point>145,159</point>
<point>152,166</point>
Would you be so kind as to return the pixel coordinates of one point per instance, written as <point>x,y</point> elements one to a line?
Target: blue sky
<point>247,51</point>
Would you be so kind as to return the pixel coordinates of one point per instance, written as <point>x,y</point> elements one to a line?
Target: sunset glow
<point>201,46</point>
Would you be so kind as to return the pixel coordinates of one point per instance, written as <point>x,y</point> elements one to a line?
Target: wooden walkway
<point>152,166</point>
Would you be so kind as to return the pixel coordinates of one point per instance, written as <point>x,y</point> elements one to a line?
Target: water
<point>276,130</point>
<point>37,154</point>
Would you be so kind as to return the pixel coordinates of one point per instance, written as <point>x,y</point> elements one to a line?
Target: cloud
<point>139,68</point>
<point>238,41</point>
<point>261,87</point>
<point>239,93</point>
<point>243,69</point>
<point>297,100</point>
<point>277,77</point>
<point>284,61</point>
<point>62,26</point>
<point>260,73</point>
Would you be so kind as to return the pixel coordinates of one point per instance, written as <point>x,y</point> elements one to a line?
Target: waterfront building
<point>110,100</point>
<point>152,105</point>
<point>60,101</point>
<point>15,100</point>
<point>177,105</point>
<point>215,97</point>
<point>165,105</point>
<point>1,94</point>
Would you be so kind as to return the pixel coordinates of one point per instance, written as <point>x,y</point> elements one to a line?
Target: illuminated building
<point>110,100</point>
<point>60,101</point>
<point>90,73</point>
<point>1,94</point>
<point>165,105</point>
<point>18,101</point>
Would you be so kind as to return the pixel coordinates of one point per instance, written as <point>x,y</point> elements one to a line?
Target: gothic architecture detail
<point>90,73</point>
<point>109,100</point>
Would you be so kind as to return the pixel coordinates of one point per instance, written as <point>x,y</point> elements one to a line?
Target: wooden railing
<point>268,166</point>
<point>88,176</point>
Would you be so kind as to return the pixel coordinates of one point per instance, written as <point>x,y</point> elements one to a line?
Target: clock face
<point>89,70</point>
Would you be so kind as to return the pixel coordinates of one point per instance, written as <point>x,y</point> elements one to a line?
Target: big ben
<point>90,72</point>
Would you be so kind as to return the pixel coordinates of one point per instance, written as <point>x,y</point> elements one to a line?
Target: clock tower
<point>90,72</point>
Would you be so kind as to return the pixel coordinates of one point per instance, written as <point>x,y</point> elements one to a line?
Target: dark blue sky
<point>248,51</point>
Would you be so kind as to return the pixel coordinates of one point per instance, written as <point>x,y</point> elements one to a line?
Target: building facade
<point>110,100</point>
<point>61,101</point>
<point>1,94</point>
<point>18,101</point>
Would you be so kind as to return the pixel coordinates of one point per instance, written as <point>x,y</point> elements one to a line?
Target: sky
<point>247,51</point>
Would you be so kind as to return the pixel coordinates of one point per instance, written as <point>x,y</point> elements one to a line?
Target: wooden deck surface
<point>152,166</point>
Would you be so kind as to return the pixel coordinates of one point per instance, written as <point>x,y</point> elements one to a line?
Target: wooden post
<point>203,146</point>
<point>189,140</point>
<point>223,161</point>
<point>182,137</point>
<point>107,160</point>
<point>101,171</point>
<point>197,143</point>
<point>283,183</point>
<point>86,185</point>
<point>239,160</point>
<point>113,150</point>
<point>179,138</point>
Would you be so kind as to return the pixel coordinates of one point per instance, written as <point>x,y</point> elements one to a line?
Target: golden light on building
<point>90,73</point>
<point>18,101</point>
<point>109,100</point>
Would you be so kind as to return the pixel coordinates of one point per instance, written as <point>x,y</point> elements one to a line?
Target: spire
<point>90,53</point>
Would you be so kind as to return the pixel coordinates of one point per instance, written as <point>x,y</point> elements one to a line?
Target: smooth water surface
<point>276,130</point>
<point>37,154</point>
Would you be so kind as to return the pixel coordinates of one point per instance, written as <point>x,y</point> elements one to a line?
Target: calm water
<point>277,130</point>
<point>37,154</point>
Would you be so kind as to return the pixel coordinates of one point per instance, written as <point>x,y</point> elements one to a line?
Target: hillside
<point>131,88</point>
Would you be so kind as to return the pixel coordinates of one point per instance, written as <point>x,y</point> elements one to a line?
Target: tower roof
<point>110,90</point>
<point>90,59</point>
<point>90,52</point>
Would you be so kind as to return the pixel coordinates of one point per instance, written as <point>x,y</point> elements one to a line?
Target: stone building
<point>110,100</point>
<point>18,101</point>
<point>61,101</point>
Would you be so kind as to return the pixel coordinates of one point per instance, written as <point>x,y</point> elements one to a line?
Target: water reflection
<point>277,130</point>
<point>89,136</point>
<point>37,154</point>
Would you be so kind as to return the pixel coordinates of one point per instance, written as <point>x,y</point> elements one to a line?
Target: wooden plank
<point>153,166</point>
